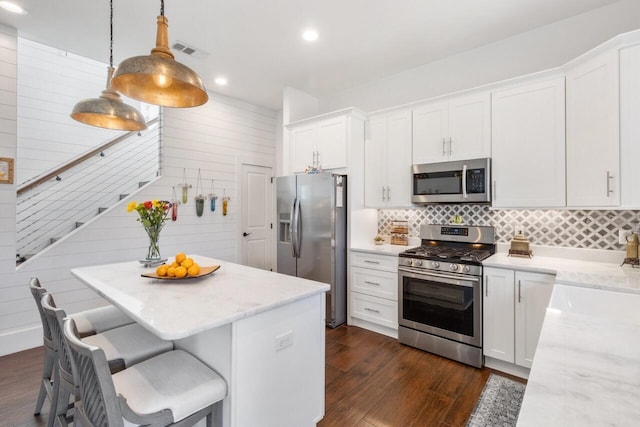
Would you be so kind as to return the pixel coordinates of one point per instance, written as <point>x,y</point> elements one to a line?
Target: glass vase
<point>153,253</point>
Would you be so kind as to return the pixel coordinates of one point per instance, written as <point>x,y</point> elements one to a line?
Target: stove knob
<point>466,269</point>
<point>408,262</point>
<point>435,264</point>
<point>453,267</point>
<point>418,263</point>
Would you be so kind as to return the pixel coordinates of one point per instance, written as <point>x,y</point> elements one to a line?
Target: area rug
<point>499,403</point>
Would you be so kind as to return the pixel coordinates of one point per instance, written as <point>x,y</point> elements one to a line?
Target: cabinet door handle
<point>519,291</point>
<point>444,147</point>
<point>383,198</point>
<point>372,310</point>
<point>317,159</point>
<point>371,262</point>
<point>609,178</point>
<point>494,190</point>
<point>371,283</point>
<point>450,146</point>
<point>486,286</point>
<point>388,194</point>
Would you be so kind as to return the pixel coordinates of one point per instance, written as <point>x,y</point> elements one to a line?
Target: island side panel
<point>213,348</point>
<point>278,370</point>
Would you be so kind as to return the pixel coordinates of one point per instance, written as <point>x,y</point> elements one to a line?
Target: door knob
<point>245,234</point>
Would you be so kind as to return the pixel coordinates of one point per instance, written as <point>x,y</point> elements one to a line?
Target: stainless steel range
<point>440,291</point>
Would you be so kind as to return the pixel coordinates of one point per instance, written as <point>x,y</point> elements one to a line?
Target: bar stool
<point>173,388</point>
<point>89,321</point>
<point>124,347</point>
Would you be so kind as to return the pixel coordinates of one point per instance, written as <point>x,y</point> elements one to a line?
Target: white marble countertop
<point>385,249</point>
<point>181,308</point>
<point>586,370</point>
<point>577,272</point>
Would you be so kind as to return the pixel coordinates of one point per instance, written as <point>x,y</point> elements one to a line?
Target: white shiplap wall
<point>212,137</point>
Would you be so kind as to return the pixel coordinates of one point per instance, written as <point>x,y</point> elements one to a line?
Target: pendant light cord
<point>111,34</point>
<point>161,7</point>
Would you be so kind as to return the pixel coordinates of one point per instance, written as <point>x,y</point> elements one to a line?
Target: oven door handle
<point>445,278</point>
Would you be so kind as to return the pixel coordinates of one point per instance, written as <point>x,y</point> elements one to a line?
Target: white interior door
<point>256,248</point>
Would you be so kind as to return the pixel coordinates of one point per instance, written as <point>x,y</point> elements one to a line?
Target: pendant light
<point>158,78</point>
<point>108,111</point>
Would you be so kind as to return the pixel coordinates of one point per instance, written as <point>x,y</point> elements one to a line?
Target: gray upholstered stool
<point>124,347</point>
<point>89,321</point>
<point>173,388</point>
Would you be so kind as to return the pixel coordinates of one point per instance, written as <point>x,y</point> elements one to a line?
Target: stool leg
<point>53,412</point>
<point>45,383</point>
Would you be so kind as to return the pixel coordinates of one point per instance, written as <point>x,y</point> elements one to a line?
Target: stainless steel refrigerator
<point>312,234</point>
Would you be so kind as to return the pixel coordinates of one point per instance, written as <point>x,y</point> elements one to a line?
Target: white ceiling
<point>257,44</point>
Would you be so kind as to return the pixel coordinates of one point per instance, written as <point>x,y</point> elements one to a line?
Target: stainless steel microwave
<point>464,181</point>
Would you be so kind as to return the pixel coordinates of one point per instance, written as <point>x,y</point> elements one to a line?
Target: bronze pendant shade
<point>158,78</point>
<point>108,111</point>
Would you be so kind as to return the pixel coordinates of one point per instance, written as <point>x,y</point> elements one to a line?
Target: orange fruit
<point>171,271</point>
<point>181,271</point>
<point>174,264</point>
<point>180,257</point>
<point>187,263</point>
<point>194,270</point>
<point>162,270</point>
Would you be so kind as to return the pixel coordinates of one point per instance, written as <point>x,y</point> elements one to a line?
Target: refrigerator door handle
<point>297,228</point>
<point>292,227</point>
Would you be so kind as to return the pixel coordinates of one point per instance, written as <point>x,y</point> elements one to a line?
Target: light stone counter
<point>602,275</point>
<point>385,249</point>
<point>586,371</point>
<point>178,309</point>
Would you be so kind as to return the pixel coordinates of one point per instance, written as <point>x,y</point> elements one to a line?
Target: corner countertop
<point>181,308</point>
<point>586,370</point>
<point>384,249</point>
<point>576,272</point>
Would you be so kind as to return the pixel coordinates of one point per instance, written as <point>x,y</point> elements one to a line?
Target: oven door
<point>445,305</point>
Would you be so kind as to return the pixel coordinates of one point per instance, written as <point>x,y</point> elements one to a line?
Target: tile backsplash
<point>591,229</point>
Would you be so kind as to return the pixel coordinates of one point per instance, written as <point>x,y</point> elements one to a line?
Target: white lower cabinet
<point>514,305</point>
<point>373,292</point>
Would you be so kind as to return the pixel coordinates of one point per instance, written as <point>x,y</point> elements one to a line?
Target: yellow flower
<point>155,203</point>
<point>131,206</point>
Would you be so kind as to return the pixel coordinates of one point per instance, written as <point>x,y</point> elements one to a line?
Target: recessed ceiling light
<point>220,81</point>
<point>310,35</point>
<point>13,7</point>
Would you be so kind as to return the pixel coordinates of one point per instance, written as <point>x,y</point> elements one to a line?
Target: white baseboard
<point>23,339</point>
<point>506,367</point>
<point>392,333</point>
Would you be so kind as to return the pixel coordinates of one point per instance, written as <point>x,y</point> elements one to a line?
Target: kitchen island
<point>264,332</point>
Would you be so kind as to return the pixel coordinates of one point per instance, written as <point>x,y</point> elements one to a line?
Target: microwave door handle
<point>464,181</point>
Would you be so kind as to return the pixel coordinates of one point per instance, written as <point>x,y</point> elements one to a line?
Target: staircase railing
<point>56,203</point>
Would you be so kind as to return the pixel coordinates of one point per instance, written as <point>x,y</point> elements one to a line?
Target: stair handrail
<point>71,163</point>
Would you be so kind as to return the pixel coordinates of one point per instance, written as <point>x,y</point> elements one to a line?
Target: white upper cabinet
<point>322,144</point>
<point>593,136</point>
<point>630,126</point>
<point>387,167</point>
<point>456,129</point>
<point>528,145</point>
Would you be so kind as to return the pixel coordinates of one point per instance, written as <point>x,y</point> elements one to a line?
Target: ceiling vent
<point>183,47</point>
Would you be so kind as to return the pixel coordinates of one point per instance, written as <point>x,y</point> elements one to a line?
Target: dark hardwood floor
<point>371,381</point>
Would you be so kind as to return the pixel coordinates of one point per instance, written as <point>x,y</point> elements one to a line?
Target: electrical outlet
<point>622,236</point>
<point>284,340</point>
